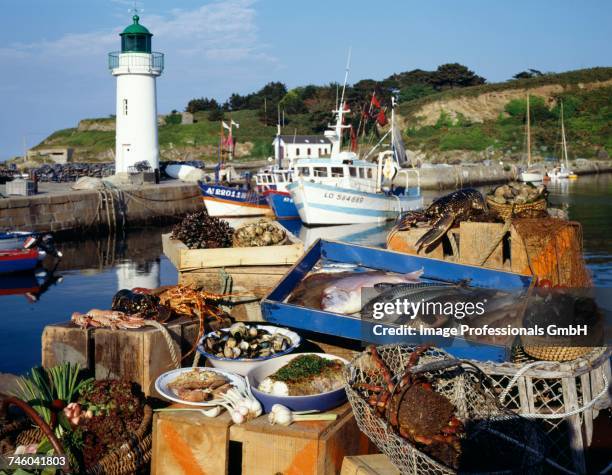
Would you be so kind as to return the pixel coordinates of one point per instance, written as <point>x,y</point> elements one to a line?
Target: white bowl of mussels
<point>244,346</point>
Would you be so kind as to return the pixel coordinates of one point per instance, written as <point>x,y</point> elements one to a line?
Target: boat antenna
<point>346,73</point>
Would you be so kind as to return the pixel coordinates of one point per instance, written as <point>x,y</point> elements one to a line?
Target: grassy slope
<point>588,129</point>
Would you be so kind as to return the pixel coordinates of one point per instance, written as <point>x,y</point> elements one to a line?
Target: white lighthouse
<point>136,68</point>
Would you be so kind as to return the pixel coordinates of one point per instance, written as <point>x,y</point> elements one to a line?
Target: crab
<point>107,318</point>
<point>197,304</point>
<point>415,409</point>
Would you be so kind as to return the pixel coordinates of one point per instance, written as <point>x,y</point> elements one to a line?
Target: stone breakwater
<point>100,210</point>
<point>459,176</point>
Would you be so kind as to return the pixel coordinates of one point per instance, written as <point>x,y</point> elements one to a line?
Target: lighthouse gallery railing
<point>153,60</point>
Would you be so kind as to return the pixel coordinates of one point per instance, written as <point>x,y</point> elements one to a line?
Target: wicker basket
<point>129,458</point>
<point>556,353</point>
<point>509,210</point>
<point>492,429</point>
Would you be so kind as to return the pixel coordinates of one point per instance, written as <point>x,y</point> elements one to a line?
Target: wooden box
<point>188,442</point>
<point>138,355</point>
<point>375,464</point>
<point>185,259</point>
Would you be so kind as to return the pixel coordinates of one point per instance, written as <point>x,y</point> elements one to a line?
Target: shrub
<point>465,138</point>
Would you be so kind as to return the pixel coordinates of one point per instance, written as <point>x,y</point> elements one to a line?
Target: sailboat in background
<point>563,171</point>
<point>530,174</point>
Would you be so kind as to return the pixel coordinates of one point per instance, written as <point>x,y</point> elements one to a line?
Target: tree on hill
<point>201,104</point>
<point>453,75</point>
<point>530,73</point>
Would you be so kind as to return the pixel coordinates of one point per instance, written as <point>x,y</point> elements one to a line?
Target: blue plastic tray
<point>275,310</point>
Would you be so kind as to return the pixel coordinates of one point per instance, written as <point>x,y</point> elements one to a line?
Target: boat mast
<point>563,141</point>
<point>528,135</point>
<point>337,139</point>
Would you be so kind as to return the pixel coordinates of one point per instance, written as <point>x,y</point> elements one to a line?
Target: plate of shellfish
<point>197,386</point>
<point>243,346</point>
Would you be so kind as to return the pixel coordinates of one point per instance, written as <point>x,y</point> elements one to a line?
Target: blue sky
<point>53,52</point>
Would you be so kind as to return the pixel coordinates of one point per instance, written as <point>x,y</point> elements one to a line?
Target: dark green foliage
<point>201,104</point>
<point>415,91</point>
<point>530,73</point>
<point>465,138</point>
<point>454,75</point>
<point>173,119</point>
<point>216,115</point>
<point>539,111</point>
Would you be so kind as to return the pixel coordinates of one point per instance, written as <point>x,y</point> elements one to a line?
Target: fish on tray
<point>344,295</point>
<point>305,375</point>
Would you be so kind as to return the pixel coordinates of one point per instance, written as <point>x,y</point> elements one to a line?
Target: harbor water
<point>94,269</point>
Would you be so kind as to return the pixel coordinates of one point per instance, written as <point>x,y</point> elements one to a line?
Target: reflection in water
<point>132,274</point>
<point>89,275</point>
<point>92,270</point>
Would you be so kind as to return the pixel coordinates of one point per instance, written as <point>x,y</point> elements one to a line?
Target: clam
<point>227,352</point>
<point>231,343</point>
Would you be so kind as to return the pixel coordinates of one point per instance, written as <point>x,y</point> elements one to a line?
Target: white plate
<point>161,385</point>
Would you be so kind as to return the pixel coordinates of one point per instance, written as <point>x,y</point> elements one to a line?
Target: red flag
<point>374,102</point>
<point>353,140</point>
<point>381,118</point>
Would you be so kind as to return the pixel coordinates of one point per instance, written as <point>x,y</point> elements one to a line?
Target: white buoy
<point>136,68</point>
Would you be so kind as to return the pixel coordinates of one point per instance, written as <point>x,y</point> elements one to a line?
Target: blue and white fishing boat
<point>13,239</point>
<point>346,190</point>
<point>233,201</point>
<point>227,200</point>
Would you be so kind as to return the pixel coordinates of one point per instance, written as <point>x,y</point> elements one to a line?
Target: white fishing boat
<point>346,190</point>
<point>563,171</point>
<point>531,174</point>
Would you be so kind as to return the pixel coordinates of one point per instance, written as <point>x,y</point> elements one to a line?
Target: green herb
<point>303,367</point>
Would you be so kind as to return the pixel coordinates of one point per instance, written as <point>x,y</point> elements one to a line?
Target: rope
<point>527,367</point>
<point>166,334</point>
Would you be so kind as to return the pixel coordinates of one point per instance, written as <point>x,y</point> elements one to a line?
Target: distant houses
<point>301,146</point>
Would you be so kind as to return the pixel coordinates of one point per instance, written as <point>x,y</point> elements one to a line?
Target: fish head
<point>335,300</point>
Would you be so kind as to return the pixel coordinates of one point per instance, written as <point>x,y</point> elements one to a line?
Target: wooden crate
<point>188,442</point>
<point>471,242</point>
<point>249,284</point>
<point>375,464</point>
<point>185,259</point>
<point>138,355</point>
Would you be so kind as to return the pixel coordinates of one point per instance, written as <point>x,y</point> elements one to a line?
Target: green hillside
<point>442,112</point>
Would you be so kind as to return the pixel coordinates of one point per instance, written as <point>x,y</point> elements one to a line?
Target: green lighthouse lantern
<point>136,38</point>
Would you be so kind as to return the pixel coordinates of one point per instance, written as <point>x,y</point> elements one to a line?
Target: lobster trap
<point>495,440</point>
<point>563,397</point>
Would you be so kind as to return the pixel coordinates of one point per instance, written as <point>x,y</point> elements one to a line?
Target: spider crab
<point>415,410</point>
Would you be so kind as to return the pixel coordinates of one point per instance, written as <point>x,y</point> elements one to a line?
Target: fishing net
<point>495,440</point>
<point>554,250</point>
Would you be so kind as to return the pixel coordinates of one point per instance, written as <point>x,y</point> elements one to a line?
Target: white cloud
<point>220,30</point>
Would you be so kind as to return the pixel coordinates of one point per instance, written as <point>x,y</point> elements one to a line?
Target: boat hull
<point>319,204</point>
<point>18,260</point>
<point>531,177</point>
<point>282,204</point>
<point>225,201</point>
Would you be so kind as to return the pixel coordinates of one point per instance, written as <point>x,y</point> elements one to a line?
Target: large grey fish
<point>344,295</point>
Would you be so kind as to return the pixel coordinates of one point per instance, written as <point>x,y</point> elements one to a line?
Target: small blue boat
<point>13,239</point>
<point>18,260</point>
<point>282,204</point>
